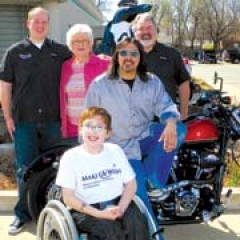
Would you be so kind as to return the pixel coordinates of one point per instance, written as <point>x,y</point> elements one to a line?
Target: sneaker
<point>16,226</point>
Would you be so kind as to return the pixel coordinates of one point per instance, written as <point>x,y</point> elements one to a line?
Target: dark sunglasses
<point>125,53</point>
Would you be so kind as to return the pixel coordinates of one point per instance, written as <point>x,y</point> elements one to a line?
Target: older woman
<point>77,74</point>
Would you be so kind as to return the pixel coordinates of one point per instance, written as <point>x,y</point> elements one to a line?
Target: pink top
<point>75,93</point>
<point>92,69</point>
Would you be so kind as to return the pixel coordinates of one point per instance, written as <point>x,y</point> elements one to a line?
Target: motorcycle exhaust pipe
<point>161,194</point>
<point>184,183</point>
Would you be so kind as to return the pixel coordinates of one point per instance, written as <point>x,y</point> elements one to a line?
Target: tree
<point>194,21</point>
<point>221,18</point>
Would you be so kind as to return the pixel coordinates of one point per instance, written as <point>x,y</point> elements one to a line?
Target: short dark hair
<point>141,68</point>
<point>96,111</point>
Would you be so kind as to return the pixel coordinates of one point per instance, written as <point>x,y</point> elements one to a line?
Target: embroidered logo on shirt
<point>25,56</point>
<point>163,58</point>
<point>54,54</point>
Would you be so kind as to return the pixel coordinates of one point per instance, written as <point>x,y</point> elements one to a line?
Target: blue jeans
<point>30,140</point>
<point>142,190</point>
<point>157,164</point>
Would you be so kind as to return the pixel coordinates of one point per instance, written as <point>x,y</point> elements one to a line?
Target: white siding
<point>64,15</point>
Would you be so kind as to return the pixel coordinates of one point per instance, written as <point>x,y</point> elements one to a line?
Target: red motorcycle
<point>193,192</point>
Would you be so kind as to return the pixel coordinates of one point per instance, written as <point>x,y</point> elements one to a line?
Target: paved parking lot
<point>229,72</point>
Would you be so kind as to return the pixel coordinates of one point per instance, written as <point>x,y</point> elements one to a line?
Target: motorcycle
<point>193,191</point>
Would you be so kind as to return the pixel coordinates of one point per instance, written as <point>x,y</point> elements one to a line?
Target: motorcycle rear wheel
<point>38,186</point>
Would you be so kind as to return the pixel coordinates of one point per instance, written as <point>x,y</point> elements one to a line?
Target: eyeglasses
<point>84,41</point>
<point>97,129</point>
<point>125,53</point>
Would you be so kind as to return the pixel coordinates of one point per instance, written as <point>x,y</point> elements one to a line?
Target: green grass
<point>232,176</point>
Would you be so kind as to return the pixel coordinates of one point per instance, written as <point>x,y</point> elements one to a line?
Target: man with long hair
<point>133,97</point>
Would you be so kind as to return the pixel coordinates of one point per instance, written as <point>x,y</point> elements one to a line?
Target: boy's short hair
<point>96,111</point>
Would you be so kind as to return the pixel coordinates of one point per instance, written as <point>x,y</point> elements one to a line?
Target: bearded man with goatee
<point>164,61</point>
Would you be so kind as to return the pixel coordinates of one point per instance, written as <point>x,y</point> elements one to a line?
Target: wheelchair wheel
<point>56,223</point>
<point>151,225</point>
<point>54,227</point>
<point>38,186</point>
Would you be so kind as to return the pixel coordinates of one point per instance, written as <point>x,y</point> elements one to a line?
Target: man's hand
<point>6,101</point>
<point>10,126</point>
<point>169,136</point>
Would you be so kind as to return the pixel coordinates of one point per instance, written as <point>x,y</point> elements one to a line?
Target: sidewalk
<point>9,198</point>
<point>29,233</point>
<point>222,228</point>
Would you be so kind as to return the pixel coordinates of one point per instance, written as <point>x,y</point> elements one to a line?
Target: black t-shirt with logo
<point>35,77</point>
<point>166,62</point>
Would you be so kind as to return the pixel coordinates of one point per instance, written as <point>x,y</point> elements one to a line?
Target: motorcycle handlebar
<point>213,96</point>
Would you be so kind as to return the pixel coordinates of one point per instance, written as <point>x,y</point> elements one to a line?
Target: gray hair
<point>78,28</point>
<point>144,17</point>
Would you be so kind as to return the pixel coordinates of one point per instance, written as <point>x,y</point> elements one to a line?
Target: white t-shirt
<point>95,178</point>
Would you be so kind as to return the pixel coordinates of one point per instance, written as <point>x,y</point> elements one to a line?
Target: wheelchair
<point>55,222</point>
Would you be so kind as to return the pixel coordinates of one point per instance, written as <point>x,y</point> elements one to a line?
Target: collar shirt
<point>35,77</point>
<point>166,62</point>
<point>132,110</point>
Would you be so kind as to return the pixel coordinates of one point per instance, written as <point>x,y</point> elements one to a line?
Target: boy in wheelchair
<point>99,185</point>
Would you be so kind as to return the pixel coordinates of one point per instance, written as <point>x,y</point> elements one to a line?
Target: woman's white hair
<point>78,28</point>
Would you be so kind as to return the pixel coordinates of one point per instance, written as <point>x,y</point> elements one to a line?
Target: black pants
<point>132,226</point>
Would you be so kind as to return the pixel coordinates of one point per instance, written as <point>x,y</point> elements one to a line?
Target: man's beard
<point>147,43</point>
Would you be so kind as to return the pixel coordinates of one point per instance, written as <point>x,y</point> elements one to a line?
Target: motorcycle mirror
<point>215,78</point>
<point>226,100</point>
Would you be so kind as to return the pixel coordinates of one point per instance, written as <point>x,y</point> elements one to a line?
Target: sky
<point>113,6</point>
